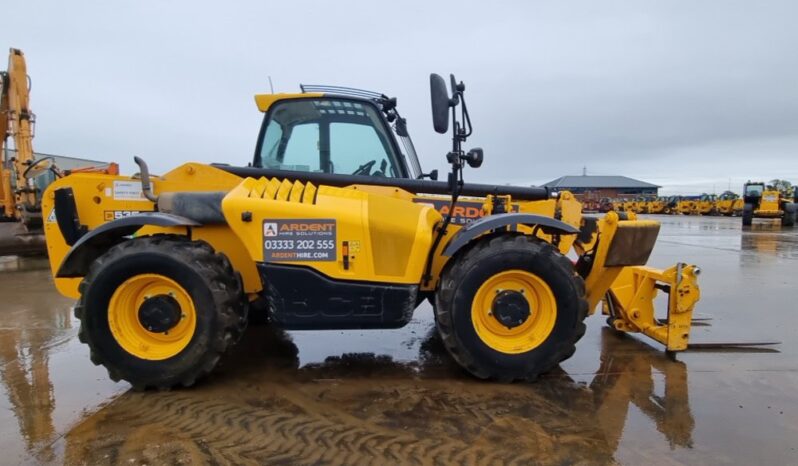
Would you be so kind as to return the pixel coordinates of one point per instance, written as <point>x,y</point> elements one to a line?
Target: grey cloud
<point>685,94</point>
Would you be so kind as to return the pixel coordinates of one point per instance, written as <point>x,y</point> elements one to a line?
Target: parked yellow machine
<point>706,205</point>
<point>657,206</point>
<point>729,203</point>
<point>23,177</point>
<point>331,226</point>
<point>630,205</point>
<point>686,206</point>
<point>767,202</point>
<point>640,205</point>
<point>671,205</point>
<point>19,198</point>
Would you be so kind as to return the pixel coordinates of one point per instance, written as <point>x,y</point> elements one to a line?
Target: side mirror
<point>474,157</point>
<point>440,103</point>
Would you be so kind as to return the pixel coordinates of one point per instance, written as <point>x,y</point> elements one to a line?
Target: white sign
<point>128,191</point>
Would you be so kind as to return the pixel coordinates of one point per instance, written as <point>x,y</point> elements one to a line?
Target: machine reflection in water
<point>361,408</point>
<point>25,342</point>
<point>767,241</point>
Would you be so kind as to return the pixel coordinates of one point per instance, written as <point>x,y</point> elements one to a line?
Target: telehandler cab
<point>334,226</point>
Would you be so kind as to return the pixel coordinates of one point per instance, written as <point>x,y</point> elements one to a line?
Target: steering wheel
<point>365,169</point>
<point>41,166</point>
<point>381,171</point>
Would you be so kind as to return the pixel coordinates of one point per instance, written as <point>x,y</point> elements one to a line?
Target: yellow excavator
<point>17,121</point>
<point>21,172</point>
<point>20,203</point>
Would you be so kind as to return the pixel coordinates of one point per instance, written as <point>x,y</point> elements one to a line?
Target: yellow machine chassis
<point>628,289</point>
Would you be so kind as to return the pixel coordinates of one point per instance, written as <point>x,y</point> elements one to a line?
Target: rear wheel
<point>160,311</point>
<point>510,308</point>
<point>748,214</point>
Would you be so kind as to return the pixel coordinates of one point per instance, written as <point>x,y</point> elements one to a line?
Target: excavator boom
<point>17,121</point>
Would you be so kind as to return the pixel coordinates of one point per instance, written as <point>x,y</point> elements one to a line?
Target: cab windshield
<point>330,135</point>
<point>754,189</point>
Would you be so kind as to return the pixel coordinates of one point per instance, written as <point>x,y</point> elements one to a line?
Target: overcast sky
<point>691,95</point>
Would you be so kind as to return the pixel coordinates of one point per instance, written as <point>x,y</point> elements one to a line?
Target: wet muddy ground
<point>390,397</point>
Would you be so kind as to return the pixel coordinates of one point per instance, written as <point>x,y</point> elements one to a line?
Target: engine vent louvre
<point>284,190</point>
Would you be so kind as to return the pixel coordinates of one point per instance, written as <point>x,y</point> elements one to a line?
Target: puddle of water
<point>396,396</point>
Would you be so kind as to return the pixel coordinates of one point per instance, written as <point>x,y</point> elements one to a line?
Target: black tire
<point>492,255</point>
<point>208,278</point>
<point>788,219</point>
<point>748,214</point>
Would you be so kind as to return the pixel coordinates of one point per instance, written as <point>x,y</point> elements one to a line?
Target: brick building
<point>595,187</point>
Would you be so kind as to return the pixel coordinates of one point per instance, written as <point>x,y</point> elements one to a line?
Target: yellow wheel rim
<point>127,328</point>
<point>533,331</point>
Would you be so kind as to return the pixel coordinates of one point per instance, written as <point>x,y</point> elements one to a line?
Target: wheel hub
<point>510,308</point>
<point>159,314</point>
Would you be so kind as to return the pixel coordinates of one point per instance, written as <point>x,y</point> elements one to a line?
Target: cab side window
<point>357,150</point>
<point>336,136</point>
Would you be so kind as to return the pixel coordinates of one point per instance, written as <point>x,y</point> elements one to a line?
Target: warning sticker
<point>299,240</point>
<point>128,191</point>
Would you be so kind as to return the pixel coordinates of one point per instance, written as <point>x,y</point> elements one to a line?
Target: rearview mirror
<point>440,103</point>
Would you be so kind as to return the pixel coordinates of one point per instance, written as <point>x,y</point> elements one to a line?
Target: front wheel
<point>510,308</point>
<point>748,214</point>
<point>160,311</point>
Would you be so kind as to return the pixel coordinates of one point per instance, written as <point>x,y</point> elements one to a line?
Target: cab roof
<point>310,91</point>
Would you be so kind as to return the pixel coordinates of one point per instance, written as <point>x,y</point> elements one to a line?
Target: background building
<point>598,186</point>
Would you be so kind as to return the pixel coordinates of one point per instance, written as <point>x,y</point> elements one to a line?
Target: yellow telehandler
<point>333,225</point>
<point>768,202</point>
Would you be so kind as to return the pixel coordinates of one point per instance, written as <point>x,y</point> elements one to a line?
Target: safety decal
<point>299,240</point>
<point>128,191</point>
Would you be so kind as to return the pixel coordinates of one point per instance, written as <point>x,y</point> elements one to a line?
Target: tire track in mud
<point>288,424</point>
<point>354,409</point>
